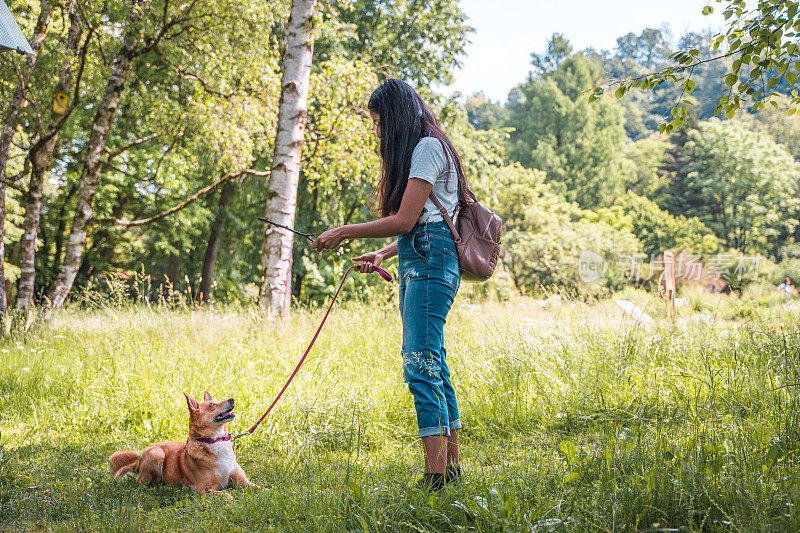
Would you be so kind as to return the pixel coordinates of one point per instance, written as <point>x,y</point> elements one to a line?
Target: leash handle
<point>382,273</point>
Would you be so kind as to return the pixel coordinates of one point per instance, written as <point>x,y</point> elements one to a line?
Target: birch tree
<point>90,176</point>
<point>39,156</point>
<point>167,23</point>
<point>275,293</point>
<point>7,132</point>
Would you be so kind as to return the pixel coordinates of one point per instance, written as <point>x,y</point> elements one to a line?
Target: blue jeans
<point>429,280</point>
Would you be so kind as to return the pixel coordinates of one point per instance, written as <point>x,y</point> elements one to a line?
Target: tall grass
<point>574,419</point>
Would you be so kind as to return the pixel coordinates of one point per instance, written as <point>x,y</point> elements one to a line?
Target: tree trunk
<point>210,260</point>
<point>90,176</point>
<point>59,234</point>
<point>102,248</point>
<point>40,158</point>
<point>7,134</point>
<point>173,265</point>
<point>276,252</point>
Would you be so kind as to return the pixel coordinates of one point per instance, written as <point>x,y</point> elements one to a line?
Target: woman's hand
<point>329,240</point>
<point>367,261</point>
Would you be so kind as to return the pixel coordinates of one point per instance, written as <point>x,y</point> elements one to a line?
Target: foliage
<point>646,111</point>
<point>484,114</point>
<point>762,44</point>
<point>578,146</point>
<point>659,231</point>
<point>419,42</point>
<point>544,235</point>
<point>202,105</point>
<point>645,160</point>
<point>740,184</point>
<point>783,129</point>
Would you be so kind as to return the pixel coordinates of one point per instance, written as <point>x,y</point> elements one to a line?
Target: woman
<point>417,158</point>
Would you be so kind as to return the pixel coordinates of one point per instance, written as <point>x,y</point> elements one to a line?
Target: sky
<point>508,31</point>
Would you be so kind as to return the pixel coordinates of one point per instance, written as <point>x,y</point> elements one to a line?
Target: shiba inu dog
<point>205,462</point>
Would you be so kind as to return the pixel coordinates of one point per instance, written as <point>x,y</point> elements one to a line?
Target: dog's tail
<point>120,463</point>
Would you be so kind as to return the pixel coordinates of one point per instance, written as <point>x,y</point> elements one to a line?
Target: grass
<point>575,420</point>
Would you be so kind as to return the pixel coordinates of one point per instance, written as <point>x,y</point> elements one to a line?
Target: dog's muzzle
<point>227,415</point>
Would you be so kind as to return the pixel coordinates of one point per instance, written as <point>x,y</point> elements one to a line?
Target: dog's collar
<point>209,440</point>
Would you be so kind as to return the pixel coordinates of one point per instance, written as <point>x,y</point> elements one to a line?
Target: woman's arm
<point>388,251</point>
<point>411,205</point>
<point>371,259</point>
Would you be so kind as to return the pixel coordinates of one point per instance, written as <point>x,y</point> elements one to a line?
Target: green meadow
<point>576,418</point>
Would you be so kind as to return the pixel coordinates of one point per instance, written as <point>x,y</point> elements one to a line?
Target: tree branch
<point>188,201</point>
<point>130,145</point>
<point>107,164</point>
<point>55,128</point>
<point>188,75</point>
<point>10,182</point>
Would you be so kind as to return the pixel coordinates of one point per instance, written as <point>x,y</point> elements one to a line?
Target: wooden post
<point>669,282</point>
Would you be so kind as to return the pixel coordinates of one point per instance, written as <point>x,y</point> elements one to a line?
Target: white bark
<point>39,157</point>
<point>276,253</point>
<point>7,133</point>
<point>90,176</point>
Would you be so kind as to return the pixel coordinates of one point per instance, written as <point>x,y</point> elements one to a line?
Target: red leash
<point>385,275</point>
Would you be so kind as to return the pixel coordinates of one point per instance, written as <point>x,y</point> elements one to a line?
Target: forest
<point>165,197</point>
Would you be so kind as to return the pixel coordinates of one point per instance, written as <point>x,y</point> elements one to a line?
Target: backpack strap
<point>446,217</point>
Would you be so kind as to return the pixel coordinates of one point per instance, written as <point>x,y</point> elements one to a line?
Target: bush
<point>544,236</point>
<point>658,230</point>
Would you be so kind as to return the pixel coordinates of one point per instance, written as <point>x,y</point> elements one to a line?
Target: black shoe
<point>452,474</point>
<point>430,482</point>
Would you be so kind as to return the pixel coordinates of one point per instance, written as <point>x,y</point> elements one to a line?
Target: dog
<point>205,462</point>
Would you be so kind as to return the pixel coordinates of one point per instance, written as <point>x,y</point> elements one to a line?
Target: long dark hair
<point>405,119</point>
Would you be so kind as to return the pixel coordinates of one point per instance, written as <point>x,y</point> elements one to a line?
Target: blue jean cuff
<point>455,424</point>
<point>434,431</point>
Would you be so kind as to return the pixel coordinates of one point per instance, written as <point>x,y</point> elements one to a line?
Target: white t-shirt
<point>428,162</point>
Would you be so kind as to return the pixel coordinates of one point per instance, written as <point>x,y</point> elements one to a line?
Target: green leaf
<point>791,77</point>
<point>689,86</point>
<point>711,449</point>
<point>730,79</point>
<point>568,450</point>
<point>708,10</point>
<point>619,93</point>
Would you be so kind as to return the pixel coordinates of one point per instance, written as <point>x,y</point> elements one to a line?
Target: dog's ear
<point>191,402</point>
<point>207,397</point>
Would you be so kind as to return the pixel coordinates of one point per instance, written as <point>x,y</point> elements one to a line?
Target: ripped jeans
<point>429,280</point>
